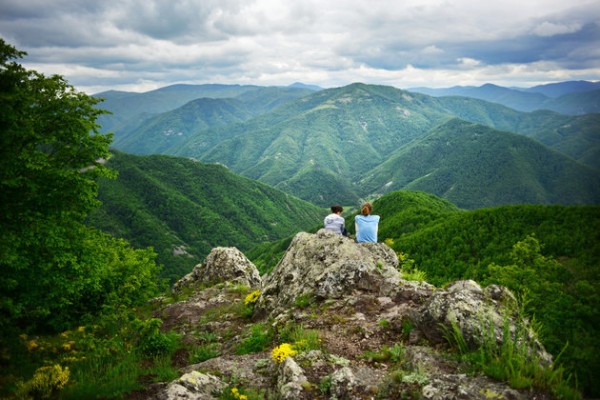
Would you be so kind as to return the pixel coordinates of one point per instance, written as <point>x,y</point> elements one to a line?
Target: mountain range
<point>346,144</point>
<point>572,98</point>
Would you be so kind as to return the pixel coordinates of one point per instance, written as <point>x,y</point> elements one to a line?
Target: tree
<point>51,156</point>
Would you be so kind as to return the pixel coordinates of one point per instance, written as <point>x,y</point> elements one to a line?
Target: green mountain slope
<point>475,166</point>
<point>167,130</point>
<point>185,208</point>
<point>130,110</point>
<point>340,132</point>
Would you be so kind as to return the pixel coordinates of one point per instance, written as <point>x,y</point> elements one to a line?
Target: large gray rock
<point>327,266</point>
<point>193,386</point>
<point>477,313</point>
<point>223,264</point>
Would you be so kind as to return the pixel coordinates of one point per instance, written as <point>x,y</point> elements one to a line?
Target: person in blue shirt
<point>366,224</point>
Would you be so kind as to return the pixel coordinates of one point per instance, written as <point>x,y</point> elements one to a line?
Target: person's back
<point>366,225</point>
<point>334,221</point>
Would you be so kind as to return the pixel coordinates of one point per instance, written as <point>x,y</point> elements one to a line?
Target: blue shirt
<point>366,228</point>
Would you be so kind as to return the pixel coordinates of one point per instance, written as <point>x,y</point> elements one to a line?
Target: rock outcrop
<point>223,264</point>
<point>380,336</point>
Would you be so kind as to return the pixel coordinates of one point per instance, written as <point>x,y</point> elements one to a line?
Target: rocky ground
<point>360,330</point>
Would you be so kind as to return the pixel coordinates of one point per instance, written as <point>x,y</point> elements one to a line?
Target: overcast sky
<point>140,45</point>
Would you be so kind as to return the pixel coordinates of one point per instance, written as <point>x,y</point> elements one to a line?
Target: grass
<point>514,360</point>
<point>392,354</point>
<point>260,338</point>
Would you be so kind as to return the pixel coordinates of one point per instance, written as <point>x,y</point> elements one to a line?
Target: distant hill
<point>475,166</point>
<point>570,98</point>
<point>129,110</point>
<point>184,208</point>
<point>517,99</point>
<point>559,89</point>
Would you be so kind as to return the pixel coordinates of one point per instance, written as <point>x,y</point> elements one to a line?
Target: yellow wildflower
<point>32,345</point>
<point>252,297</point>
<point>81,329</point>
<point>282,352</point>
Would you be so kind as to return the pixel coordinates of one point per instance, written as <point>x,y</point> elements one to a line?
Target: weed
<point>514,360</point>
<point>260,338</point>
<point>205,352</point>
<point>304,300</point>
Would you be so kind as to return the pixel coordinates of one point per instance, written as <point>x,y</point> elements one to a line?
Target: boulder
<point>223,264</point>
<point>326,265</point>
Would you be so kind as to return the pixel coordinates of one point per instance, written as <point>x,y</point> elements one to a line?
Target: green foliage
<point>259,339</point>
<point>47,382</point>
<point>55,270</point>
<point>205,352</point>
<point>513,360</point>
<point>185,208</point>
<point>301,339</point>
<point>555,264</point>
<point>386,354</point>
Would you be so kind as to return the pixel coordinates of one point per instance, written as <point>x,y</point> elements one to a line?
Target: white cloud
<point>550,29</point>
<point>138,43</point>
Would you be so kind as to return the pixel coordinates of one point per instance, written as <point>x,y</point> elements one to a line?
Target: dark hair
<point>336,209</point>
<point>366,209</point>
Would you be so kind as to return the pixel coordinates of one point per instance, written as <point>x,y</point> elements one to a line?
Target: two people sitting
<point>365,223</point>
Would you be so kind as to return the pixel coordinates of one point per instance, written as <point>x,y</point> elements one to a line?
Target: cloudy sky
<point>140,45</point>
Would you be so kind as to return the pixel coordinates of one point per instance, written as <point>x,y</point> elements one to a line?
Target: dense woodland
<point>83,243</point>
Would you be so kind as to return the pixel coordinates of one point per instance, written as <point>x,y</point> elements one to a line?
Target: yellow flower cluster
<point>252,297</point>
<point>46,381</point>
<point>282,352</point>
<point>237,395</point>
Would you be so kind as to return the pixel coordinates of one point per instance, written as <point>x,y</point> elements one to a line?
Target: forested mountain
<point>184,208</point>
<point>328,142</point>
<point>571,98</point>
<point>167,130</point>
<point>475,166</point>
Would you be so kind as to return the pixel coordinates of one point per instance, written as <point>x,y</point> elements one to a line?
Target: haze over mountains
<point>358,141</point>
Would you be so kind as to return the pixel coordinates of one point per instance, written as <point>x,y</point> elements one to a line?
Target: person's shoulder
<point>376,217</point>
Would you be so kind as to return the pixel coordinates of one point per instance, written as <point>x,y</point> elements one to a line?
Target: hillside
<point>185,208</point>
<point>164,131</point>
<point>475,166</point>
